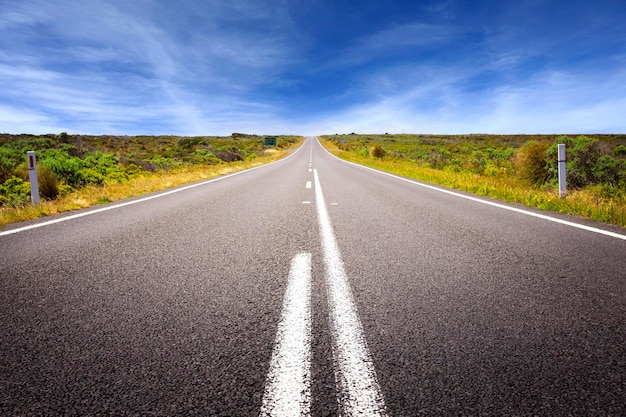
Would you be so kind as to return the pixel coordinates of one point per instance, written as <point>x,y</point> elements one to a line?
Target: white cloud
<point>23,120</point>
<point>549,102</point>
<point>105,64</point>
<point>399,39</point>
<point>196,67</point>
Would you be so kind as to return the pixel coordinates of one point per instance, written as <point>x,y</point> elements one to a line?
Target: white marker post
<point>32,174</point>
<point>562,173</point>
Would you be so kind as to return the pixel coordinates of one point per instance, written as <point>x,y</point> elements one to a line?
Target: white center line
<point>288,386</point>
<point>308,184</point>
<point>359,393</point>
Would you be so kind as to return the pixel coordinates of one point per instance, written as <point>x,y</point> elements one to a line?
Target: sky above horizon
<point>306,67</point>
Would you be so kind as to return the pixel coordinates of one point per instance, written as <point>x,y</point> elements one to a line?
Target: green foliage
<point>67,162</point>
<point>99,167</point>
<point>63,165</point>
<point>14,192</point>
<point>166,163</point>
<point>8,162</point>
<point>609,170</point>
<point>582,161</point>
<point>514,168</point>
<point>620,150</point>
<point>531,158</point>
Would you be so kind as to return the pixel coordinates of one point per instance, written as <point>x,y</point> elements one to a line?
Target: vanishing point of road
<point>312,286</point>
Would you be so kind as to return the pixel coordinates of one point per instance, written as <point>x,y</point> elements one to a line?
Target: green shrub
<point>362,151</point>
<point>166,163</point>
<point>607,191</point>
<point>6,165</point>
<point>582,154</point>
<point>66,167</point>
<point>14,192</point>
<point>90,176</point>
<point>620,150</point>
<point>609,170</point>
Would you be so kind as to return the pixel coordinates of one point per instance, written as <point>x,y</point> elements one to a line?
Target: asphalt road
<point>312,285</point>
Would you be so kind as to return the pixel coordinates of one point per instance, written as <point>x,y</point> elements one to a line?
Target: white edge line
<point>288,386</point>
<point>489,203</point>
<point>141,200</point>
<point>359,392</point>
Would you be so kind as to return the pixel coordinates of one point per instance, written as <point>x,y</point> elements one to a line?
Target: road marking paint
<point>334,204</point>
<point>288,386</point>
<point>358,390</point>
<point>489,203</point>
<point>310,170</point>
<point>306,202</point>
<point>141,200</point>
<point>308,184</point>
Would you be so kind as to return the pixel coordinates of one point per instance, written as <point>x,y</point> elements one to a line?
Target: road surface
<point>312,286</point>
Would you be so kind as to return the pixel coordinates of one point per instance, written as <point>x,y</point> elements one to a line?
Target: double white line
<point>288,387</point>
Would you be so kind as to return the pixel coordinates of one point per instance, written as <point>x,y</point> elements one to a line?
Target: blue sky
<point>214,67</point>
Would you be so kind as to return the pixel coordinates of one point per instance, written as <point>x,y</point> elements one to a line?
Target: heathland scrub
<point>139,183</point>
<point>509,168</point>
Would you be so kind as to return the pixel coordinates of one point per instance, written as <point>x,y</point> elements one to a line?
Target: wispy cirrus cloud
<point>95,61</point>
<point>197,67</point>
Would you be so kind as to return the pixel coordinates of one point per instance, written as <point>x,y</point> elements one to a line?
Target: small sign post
<point>562,172</point>
<point>32,174</point>
<point>270,141</point>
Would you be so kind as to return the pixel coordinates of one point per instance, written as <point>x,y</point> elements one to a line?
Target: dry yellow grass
<point>585,203</point>
<point>93,195</point>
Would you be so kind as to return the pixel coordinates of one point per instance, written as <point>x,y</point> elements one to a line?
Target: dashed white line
<point>288,386</point>
<point>358,390</point>
<point>308,184</point>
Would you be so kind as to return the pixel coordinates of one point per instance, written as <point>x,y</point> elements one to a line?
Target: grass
<point>499,184</point>
<point>145,183</point>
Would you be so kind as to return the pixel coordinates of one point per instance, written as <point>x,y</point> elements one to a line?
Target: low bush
<point>582,154</point>
<point>70,162</point>
<point>14,192</point>
<point>520,168</point>
<point>48,183</point>
<point>609,170</point>
<point>377,151</point>
<point>530,163</point>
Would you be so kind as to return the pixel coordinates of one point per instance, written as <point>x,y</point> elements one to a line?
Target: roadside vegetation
<point>77,171</point>
<point>513,168</point>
